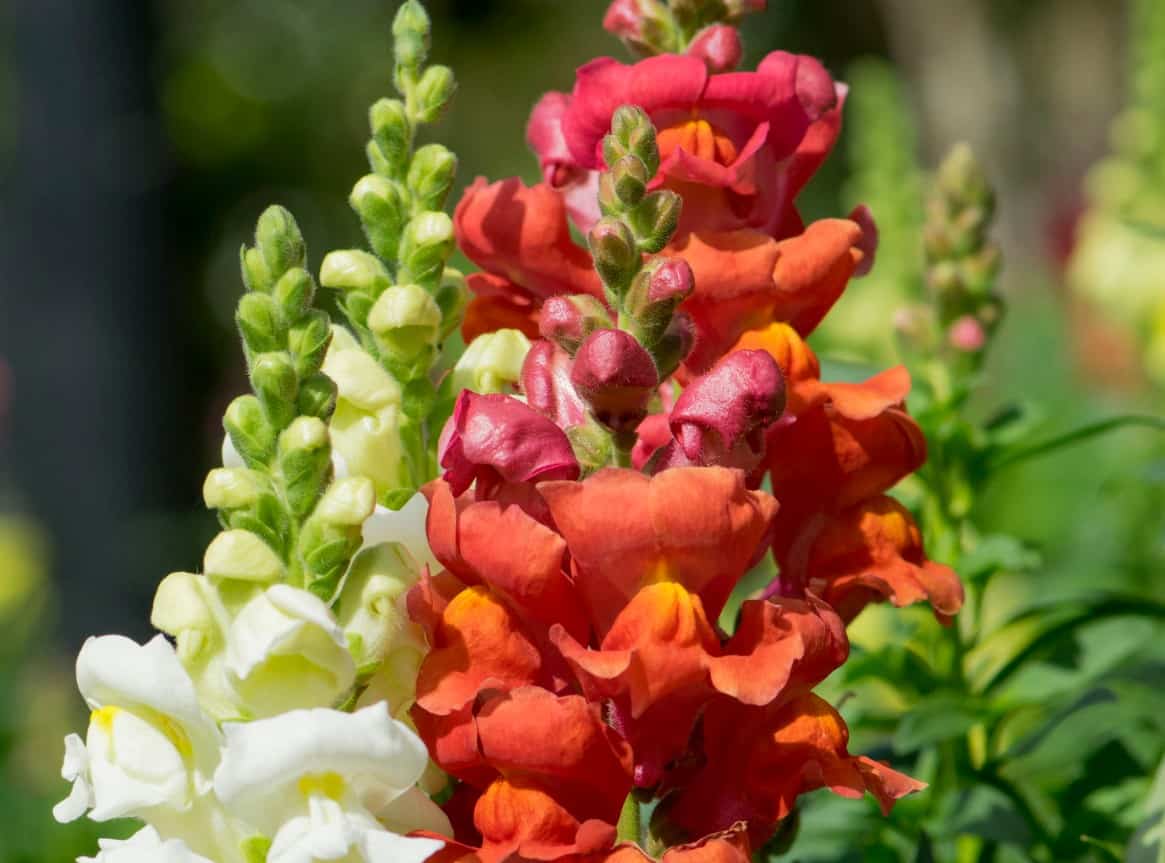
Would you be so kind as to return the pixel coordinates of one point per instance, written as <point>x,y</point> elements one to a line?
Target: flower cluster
<point>565,639</point>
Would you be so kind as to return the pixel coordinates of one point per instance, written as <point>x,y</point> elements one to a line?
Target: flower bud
<point>492,363</point>
<point>546,383</point>
<point>428,243</point>
<point>721,418</point>
<point>967,335</point>
<point>623,186</point>
<point>317,396</point>
<point>294,292</point>
<point>613,247</point>
<point>592,445</point>
<point>674,345</point>
<point>390,132</point>
<point>431,175</point>
<point>308,342</point>
<point>240,555</point>
<point>655,220</point>
<point>632,133</point>
<point>492,439</point>
<point>180,605</point>
<point>655,293</point>
<point>354,270</point>
<point>347,502</point>
<point>382,209</point>
<point>406,321</point>
<point>249,429</point>
<point>815,88</point>
<point>452,297</point>
<point>258,320</point>
<point>719,46</point>
<point>305,460</point>
<point>278,239</point>
<point>276,384</point>
<point>411,31</point>
<point>624,18</point>
<point>567,320</point>
<point>256,276</point>
<point>434,92</point>
<point>616,376</point>
<point>371,609</point>
<point>868,244</point>
<point>232,488</point>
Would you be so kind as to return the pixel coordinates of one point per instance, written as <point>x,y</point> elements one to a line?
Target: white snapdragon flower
<point>315,781</point>
<point>145,846</point>
<point>405,526</point>
<point>285,650</point>
<point>149,745</point>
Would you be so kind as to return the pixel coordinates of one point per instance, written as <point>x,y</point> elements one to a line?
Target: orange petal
<point>812,271</point>
<point>520,820</point>
<point>561,742</point>
<point>498,304</point>
<point>698,527</point>
<point>479,644</point>
<point>873,551</point>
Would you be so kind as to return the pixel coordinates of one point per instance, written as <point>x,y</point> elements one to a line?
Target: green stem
<point>1079,435</point>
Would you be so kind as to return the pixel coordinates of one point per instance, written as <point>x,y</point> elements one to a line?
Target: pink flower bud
<point>721,417</point>
<point>546,383</point>
<point>616,375</point>
<point>967,335</point>
<point>496,438</point>
<point>624,19</point>
<point>719,46</point>
<point>567,320</point>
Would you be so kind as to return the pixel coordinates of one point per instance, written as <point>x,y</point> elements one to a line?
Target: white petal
<point>134,766</point>
<point>380,846</point>
<point>145,846</point>
<point>76,770</point>
<point>264,760</point>
<point>406,526</point>
<point>412,810</point>
<point>114,670</point>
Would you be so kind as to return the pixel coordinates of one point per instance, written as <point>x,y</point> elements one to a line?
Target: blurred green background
<point>139,140</point>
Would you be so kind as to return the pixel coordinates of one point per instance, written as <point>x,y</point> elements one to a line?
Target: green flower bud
<point>278,238</point>
<point>354,270</point>
<point>431,175</point>
<point>632,133</point>
<point>391,133</point>
<point>406,321</point>
<point>256,276</point>
<point>276,384</point>
<point>428,243</point>
<point>347,502</point>
<point>592,446</point>
<point>434,92</point>
<point>655,219</point>
<point>492,363</point>
<point>624,186</point>
<point>294,292</point>
<point>614,250</point>
<point>242,556</point>
<point>317,396</point>
<point>305,460</point>
<point>258,320</point>
<point>250,431</point>
<point>452,297</point>
<point>411,30</point>
<point>233,488</point>
<point>383,209</point>
<point>308,342</point>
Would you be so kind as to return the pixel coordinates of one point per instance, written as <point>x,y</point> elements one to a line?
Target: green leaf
<point>998,552</point>
<point>935,719</point>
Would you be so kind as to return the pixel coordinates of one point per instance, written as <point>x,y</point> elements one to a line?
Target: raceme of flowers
<point>503,587</point>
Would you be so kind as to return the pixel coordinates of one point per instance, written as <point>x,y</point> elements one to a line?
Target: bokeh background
<point>139,140</point>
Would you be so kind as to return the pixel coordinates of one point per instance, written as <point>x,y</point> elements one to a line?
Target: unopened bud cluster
<point>962,265</point>
<point>703,28</point>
